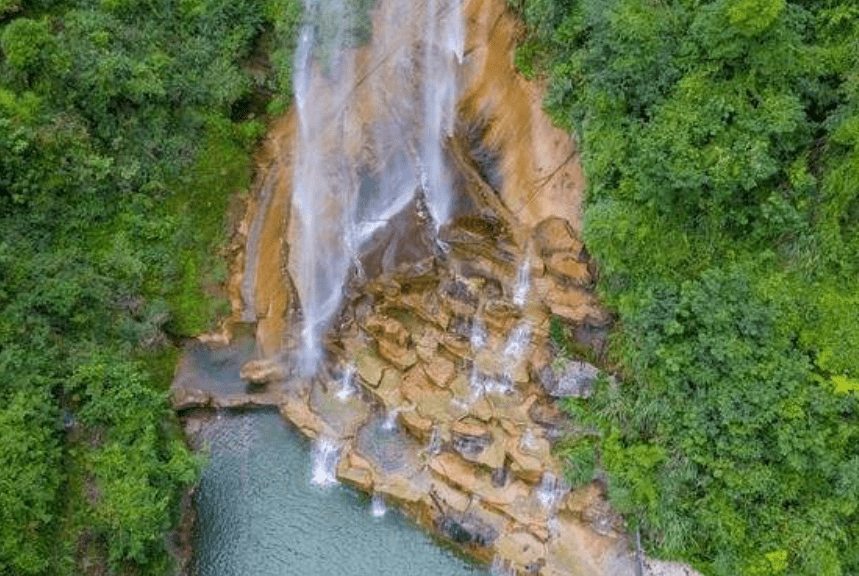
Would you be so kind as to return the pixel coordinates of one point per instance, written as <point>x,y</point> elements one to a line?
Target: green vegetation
<point>721,143</point>
<point>124,129</point>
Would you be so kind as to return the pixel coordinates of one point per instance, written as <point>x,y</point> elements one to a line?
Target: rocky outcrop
<point>437,380</point>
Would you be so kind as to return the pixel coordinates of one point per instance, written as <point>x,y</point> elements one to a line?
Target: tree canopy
<point>125,127</point>
<point>719,138</point>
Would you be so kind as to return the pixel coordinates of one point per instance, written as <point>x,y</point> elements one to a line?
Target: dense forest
<point>720,139</point>
<point>125,127</point>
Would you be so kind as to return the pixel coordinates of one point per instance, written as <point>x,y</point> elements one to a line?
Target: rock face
<point>435,379</point>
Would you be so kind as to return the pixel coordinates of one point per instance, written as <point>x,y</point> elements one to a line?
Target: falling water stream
<point>352,176</point>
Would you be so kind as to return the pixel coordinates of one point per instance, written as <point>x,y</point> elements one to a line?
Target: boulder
<point>467,529</point>
<point>450,498</point>
<point>384,328</point>
<point>457,345</point>
<point>556,235</point>
<point>569,269</point>
<point>439,370</point>
<point>388,389</point>
<point>264,371</point>
<point>470,439</point>
<point>184,398</point>
<point>429,400</point>
<point>356,471</point>
<point>521,548</point>
<point>573,302</point>
<point>298,412</point>
<point>400,356</point>
<point>370,368</point>
<point>417,425</point>
<point>400,488</point>
<point>569,379</point>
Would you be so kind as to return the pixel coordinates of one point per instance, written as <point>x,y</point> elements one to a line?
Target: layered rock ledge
<point>438,380</point>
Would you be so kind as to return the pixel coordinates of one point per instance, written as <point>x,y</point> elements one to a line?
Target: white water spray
<point>377,506</point>
<point>323,77</point>
<point>346,388</point>
<point>325,455</point>
<point>444,48</point>
<point>390,423</point>
<point>551,491</point>
<point>523,282</point>
<point>351,176</point>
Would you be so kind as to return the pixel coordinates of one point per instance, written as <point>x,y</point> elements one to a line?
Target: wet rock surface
<point>435,382</point>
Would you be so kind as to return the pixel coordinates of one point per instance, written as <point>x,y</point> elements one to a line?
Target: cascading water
<point>443,50</point>
<point>326,454</point>
<point>523,282</point>
<point>551,491</point>
<point>390,422</point>
<point>352,176</point>
<point>346,384</point>
<point>377,506</point>
<point>321,195</point>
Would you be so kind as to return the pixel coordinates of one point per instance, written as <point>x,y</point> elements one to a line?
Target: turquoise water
<point>259,514</point>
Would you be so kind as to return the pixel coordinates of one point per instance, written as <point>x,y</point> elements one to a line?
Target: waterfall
<point>444,48</point>
<point>377,506</point>
<point>551,491</point>
<point>390,422</point>
<point>326,455</point>
<point>523,282</point>
<point>321,193</point>
<point>352,176</point>
<point>346,384</point>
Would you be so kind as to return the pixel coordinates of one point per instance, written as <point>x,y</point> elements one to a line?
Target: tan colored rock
<point>298,412</point>
<point>370,367</point>
<point>470,439</point>
<point>576,501</point>
<point>384,328</point>
<point>573,303</point>
<point>521,548</point>
<point>400,356</point>
<point>556,235</point>
<point>400,488</point>
<point>429,400</point>
<point>427,306</point>
<point>500,316</point>
<point>264,371</point>
<point>482,409</point>
<point>426,336</point>
<point>456,345</point>
<point>184,398</point>
<point>439,370</point>
<point>426,353</point>
<point>417,425</point>
<point>356,471</point>
<point>528,455</point>
<point>449,496</point>
<point>569,269</point>
<point>601,518</point>
<point>525,466</point>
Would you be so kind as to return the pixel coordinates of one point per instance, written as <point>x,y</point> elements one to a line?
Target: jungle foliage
<point>125,127</point>
<point>720,139</point>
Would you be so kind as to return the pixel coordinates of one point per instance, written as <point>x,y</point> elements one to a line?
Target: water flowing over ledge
<point>415,227</point>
